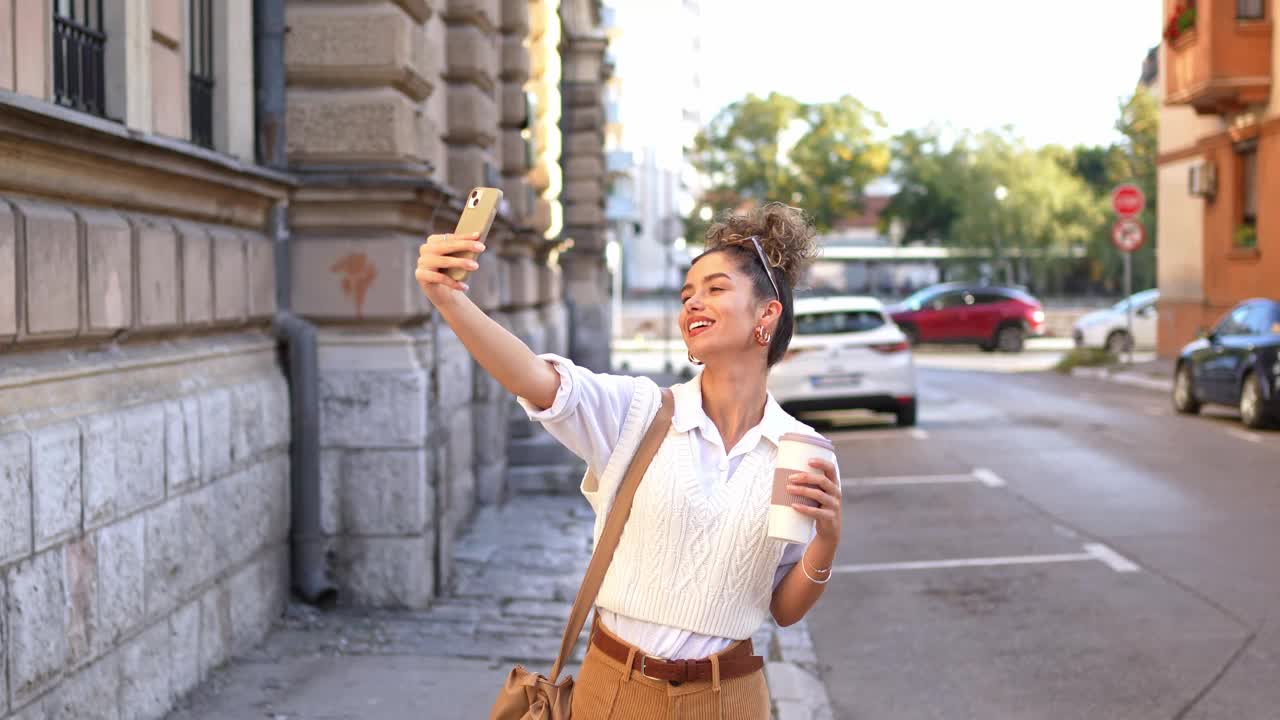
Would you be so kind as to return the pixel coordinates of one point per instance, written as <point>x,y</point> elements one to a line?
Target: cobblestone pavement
<point>518,568</point>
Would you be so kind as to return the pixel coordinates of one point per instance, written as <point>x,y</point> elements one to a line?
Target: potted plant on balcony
<point>1245,237</point>
<point>1181,20</point>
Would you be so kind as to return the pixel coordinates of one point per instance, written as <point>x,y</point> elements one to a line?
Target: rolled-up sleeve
<point>588,411</point>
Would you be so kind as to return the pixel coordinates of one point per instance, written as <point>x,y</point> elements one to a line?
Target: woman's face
<point>719,310</point>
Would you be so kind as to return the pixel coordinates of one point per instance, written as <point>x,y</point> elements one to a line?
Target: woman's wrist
<point>820,555</point>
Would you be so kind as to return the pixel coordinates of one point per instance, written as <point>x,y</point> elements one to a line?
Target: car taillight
<point>1037,316</point>
<point>892,347</point>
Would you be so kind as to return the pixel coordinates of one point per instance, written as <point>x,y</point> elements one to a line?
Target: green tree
<point>819,156</point>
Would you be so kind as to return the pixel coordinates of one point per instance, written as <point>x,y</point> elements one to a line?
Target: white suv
<point>846,354</point>
<point>1108,328</point>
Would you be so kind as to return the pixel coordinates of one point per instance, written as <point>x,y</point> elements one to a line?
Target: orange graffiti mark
<point>358,275</point>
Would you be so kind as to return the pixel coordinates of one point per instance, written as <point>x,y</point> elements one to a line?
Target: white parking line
<point>1093,552</point>
<point>980,475</point>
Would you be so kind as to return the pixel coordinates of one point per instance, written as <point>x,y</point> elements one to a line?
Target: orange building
<point>1219,163</point>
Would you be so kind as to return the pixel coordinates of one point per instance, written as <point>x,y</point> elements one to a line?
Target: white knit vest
<point>686,559</point>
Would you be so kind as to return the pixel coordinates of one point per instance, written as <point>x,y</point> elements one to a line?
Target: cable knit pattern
<point>688,560</point>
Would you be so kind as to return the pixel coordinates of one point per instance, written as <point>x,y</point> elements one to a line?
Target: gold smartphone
<point>477,217</point>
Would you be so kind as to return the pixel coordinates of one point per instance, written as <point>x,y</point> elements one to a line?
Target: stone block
<point>434,49</point>
<point>386,492</point>
<point>584,95</point>
<point>184,647</point>
<point>181,548</point>
<point>258,593</point>
<point>279,412</point>
<point>252,509</point>
<point>37,625</point>
<point>89,694</point>
<point>197,274</point>
<point>121,581</point>
<point>140,457</point>
<point>53,255</point>
<point>515,17</point>
<point>215,433</point>
<point>469,166</point>
<point>373,409</point>
<point>585,143</point>
<point>473,116</point>
<point>262,277</point>
<point>472,56</point>
<point>431,147</point>
<point>15,497</point>
<point>108,241</point>
<point>481,13</point>
<point>146,673</point>
<point>373,47</point>
<point>515,59</point>
<point>8,271</point>
<point>215,629</point>
<point>579,214</point>
<point>585,118</point>
<point>158,272</point>
<point>230,277</point>
<point>370,125</point>
<point>249,421</point>
<point>55,483</point>
<point>82,598</point>
<point>584,167</point>
<point>523,283</point>
<point>99,476</point>
<point>166,21</point>
<point>331,491</point>
<point>4,644</point>
<point>357,279</point>
<point>515,156</point>
<point>386,572</point>
<point>453,367</point>
<point>491,483</point>
<point>181,443</point>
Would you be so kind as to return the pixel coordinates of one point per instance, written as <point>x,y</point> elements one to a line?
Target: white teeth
<point>699,324</point>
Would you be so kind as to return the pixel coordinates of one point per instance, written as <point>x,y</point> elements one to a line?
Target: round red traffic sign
<point>1128,234</point>
<point>1127,200</point>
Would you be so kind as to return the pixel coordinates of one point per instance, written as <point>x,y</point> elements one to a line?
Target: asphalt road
<point>1051,547</point>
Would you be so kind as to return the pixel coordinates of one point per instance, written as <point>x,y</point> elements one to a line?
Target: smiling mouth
<point>698,326</point>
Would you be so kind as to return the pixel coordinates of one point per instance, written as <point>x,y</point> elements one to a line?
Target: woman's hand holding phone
<point>437,256</point>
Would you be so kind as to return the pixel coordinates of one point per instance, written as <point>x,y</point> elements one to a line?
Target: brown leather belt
<point>735,662</point>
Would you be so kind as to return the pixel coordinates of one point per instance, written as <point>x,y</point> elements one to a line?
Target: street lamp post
<point>1001,193</point>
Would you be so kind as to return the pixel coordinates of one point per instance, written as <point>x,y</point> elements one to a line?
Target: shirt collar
<point>689,413</point>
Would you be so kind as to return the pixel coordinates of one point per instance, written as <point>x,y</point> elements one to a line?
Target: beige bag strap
<point>612,532</point>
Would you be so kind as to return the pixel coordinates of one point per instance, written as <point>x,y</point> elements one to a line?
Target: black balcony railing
<point>79,80</point>
<point>201,80</point>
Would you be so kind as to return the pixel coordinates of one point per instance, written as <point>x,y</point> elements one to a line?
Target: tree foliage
<point>819,156</point>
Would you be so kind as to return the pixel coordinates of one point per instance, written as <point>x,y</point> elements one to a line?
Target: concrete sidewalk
<point>1155,374</point>
<point>518,568</point>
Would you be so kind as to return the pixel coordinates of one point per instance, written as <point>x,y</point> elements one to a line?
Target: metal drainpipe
<point>308,561</point>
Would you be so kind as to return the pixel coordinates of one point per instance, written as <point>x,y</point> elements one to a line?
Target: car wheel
<point>1252,411</point>
<point>913,335</point>
<point>1184,396</point>
<point>1119,342</point>
<point>986,347</point>
<point>907,414</point>
<point>1009,339</point>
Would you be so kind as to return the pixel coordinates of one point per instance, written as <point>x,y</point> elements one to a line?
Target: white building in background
<point>651,116</point>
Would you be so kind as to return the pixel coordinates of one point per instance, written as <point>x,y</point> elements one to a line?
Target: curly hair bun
<point>786,235</point>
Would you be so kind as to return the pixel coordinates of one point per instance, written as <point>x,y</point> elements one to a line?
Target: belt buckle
<point>643,660</point>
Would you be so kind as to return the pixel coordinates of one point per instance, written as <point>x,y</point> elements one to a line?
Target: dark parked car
<point>994,317</point>
<point>1237,363</point>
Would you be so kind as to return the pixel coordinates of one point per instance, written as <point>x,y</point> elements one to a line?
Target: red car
<point>992,316</point>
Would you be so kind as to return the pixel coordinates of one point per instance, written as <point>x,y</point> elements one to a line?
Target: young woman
<point>695,574</point>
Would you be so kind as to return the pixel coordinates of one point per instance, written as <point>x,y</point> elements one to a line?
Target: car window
<point>947,300</point>
<point>1235,322</point>
<point>988,298</point>
<point>920,298</point>
<point>834,323</point>
<point>1260,319</point>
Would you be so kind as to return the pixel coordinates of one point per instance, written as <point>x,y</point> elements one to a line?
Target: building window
<point>78,43</point>
<point>201,81</point>
<point>1249,185</point>
<point>1250,9</point>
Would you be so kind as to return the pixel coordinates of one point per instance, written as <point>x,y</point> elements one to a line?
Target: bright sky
<point>1053,70</point>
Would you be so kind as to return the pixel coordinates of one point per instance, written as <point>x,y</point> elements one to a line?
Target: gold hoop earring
<point>762,337</point>
<point>694,360</point>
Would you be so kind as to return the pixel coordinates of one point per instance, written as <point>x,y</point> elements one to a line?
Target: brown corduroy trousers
<point>604,690</point>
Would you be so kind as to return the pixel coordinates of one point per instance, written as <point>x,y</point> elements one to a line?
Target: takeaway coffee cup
<point>795,450</point>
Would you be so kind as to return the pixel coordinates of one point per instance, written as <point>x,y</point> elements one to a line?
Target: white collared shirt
<point>587,416</point>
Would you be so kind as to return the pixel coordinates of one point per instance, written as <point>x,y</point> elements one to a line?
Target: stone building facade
<point>160,222</point>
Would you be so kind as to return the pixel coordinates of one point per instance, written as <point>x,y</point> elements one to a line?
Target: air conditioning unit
<point>1202,179</point>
